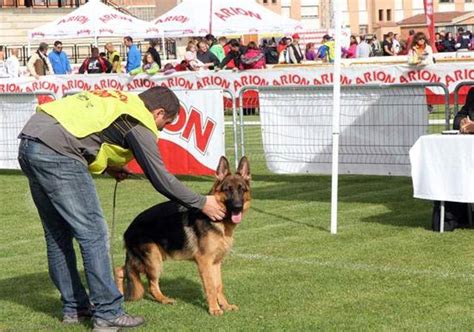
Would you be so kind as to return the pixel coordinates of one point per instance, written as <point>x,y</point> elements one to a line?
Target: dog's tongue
<point>236,217</point>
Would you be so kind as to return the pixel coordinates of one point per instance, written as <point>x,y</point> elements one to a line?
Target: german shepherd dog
<point>169,230</point>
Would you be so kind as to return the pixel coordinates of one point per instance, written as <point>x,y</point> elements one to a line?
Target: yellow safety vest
<point>87,112</point>
<point>111,57</point>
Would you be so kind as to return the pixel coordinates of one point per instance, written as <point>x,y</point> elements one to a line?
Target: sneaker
<point>77,317</point>
<point>124,321</point>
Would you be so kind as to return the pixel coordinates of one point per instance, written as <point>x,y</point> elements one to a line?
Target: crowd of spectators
<point>210,53</point>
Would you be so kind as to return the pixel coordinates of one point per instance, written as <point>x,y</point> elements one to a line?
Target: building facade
<point>381,16</point>
<point>361,16</point>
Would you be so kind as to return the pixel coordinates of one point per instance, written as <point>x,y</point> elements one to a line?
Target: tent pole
<point>335,118</point>
<point>163,46</point>
<point>210,16</point>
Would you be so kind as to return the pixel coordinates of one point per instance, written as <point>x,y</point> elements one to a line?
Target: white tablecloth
<point>442,168</point>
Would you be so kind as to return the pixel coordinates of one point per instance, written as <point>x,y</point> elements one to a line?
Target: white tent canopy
<point>92,20</point>
<point>222,17</point>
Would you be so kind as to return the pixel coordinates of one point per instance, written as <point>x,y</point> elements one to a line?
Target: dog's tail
<point>129,275</point>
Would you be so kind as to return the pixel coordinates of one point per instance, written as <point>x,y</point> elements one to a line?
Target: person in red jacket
<point>95,64</point>
<point>253,58</point>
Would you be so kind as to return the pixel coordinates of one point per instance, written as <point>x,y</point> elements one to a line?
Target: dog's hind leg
<point>153,266</point>
<point>220,289</point>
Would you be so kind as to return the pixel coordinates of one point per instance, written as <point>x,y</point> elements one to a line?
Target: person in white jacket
<point>13,64</point>
<point>421,52</point>
<point>3,68</point>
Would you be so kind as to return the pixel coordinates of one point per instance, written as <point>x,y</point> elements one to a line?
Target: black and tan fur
<point>169,230</point>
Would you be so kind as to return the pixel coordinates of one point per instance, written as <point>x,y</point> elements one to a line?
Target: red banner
<point>429,13</point>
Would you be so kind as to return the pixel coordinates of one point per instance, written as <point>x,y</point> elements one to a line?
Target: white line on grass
<point>356,266</point>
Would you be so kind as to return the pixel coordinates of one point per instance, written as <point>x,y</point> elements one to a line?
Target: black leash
<point>112,230</point>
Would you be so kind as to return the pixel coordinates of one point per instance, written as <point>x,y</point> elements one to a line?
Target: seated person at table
<point>464,119</point>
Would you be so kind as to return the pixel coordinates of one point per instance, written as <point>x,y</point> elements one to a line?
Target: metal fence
<point>78,52</point>
<point>17,108</point>
<point>460,92</point>
<point>289,129</point>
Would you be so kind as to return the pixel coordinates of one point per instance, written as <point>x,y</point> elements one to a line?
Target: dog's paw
<point>216,312</point>
<point>230,307</point>
<point>167,300</point>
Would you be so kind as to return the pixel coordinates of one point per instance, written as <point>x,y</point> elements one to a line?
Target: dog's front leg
<point>207,273</point>
<point>220,290</point>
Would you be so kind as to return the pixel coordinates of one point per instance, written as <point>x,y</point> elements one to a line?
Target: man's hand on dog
<point>118,173</point>
<point>213,209</point>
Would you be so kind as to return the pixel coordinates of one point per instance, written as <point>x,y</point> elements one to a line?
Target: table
<point>441,167</point>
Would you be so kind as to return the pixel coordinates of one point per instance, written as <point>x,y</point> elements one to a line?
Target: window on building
<point>380,14</point>
<point>446,1</point>
<point>309,12</point>
<point>285,11</point>
<point>389,14</point>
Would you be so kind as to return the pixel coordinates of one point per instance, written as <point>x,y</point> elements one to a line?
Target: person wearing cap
<point>59,60</point>
<point>294,53</point>
<point>59,149</point>
<point>39,64</point>
<point>326,51</point>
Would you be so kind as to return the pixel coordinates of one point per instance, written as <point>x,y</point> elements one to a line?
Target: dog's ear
<point>223,169</point>
<point>244,169</point>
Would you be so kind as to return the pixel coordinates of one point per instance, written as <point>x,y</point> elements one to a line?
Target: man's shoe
<point>77,317</point>
<point>124,321</point>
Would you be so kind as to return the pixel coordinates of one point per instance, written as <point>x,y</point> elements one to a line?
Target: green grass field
<point>385,270</point>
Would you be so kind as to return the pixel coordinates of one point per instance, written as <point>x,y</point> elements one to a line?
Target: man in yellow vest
<point>114,58</point>
<point>60,145</point>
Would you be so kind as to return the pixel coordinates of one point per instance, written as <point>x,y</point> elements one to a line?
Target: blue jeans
<point>65,196</point>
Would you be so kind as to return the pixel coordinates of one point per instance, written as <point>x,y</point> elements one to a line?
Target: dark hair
<point>160,97</point>
<point>128,38</point>
<point>43,46</point>
<point>94,49</point>
<point>446,36</point>
<point>1,48</point>
<point>469,103</point>
<point>418,36</point>
<point>57,42</point>
<point>234,43</point>
<point>411,32</point>
<point>460,29</point>
<point>153,42</point>
<point>210,37</point>
<point>145,56</point>
<point>252,45</point>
